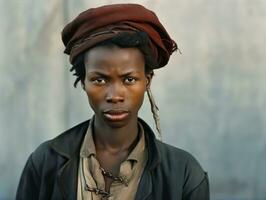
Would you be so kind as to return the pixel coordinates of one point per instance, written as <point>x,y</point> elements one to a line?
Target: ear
<point>149,79</point>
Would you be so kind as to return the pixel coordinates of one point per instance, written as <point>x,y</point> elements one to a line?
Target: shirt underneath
<point>90,170</point>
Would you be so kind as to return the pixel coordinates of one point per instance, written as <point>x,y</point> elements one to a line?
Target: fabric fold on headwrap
<point>99,24</point>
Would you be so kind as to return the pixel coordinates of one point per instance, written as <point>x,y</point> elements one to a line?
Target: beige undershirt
<point>131,170</point>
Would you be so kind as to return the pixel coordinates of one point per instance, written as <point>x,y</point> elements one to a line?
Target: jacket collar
<point>154,157</point>
<point>68,145</point>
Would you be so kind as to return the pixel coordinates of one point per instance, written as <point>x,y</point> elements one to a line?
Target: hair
<point>138,40</point>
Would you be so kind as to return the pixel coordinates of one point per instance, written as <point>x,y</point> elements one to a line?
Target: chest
<point>110,164</point>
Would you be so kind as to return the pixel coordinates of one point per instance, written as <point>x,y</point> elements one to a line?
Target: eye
<point>130,80</point>
<point>98,81</point>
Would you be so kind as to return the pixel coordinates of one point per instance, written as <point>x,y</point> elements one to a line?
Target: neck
<point>115,139</point>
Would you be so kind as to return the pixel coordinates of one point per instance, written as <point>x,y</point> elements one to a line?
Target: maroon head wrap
<point>98,24</point>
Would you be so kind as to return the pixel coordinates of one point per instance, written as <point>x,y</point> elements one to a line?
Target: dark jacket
<point>51,171</point>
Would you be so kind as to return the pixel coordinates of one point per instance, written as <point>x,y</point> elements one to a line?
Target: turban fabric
<point>99,24</point>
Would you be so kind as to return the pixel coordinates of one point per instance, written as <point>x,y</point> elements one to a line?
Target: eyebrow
<point>106,75</point>
<point>98,73</point>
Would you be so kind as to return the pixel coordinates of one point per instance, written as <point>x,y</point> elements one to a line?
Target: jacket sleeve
<point>29,183</point>
<point>201,192</point>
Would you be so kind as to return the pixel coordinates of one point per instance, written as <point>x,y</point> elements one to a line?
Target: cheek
<point>94,96</point>
<point>137,95</point>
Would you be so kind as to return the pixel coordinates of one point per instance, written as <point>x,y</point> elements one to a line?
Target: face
<point>115,83</point>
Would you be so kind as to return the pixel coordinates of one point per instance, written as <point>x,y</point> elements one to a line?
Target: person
<point>114,50</point>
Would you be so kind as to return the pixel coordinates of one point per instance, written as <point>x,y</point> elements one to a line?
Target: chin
<point>117,124</point>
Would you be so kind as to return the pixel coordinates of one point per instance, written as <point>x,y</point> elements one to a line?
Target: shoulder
<point>181,163</point>
<point>65,144</point>
<point>177,155</point>
<point>175,167</point>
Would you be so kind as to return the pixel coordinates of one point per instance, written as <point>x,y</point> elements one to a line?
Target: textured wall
<point>211,97</point>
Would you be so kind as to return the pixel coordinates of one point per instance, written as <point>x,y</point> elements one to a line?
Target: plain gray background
<point>212,97</point>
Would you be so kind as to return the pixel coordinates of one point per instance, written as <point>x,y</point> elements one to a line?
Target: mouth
<point>115,115</point>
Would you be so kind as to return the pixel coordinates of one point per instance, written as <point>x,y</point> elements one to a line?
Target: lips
<point>116,115</point>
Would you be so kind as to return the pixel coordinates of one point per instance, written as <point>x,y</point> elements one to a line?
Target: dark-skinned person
<point>114,50</point>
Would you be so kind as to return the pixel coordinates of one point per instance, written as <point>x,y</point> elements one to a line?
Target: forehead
<point>114,58</point>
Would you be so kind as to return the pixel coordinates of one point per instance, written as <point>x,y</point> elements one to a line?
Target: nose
<point>115,93</point>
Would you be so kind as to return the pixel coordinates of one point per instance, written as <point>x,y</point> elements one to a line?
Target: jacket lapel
<point>145,186</point>
<point>67,178</point>
<point>67,145</point>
